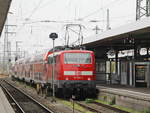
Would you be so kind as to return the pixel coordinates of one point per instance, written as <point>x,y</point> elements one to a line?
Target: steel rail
<point>28,96</point>
<point>111,107</point>
<point>88,107</point>
<point>102,105</point>
<point>16,103</point>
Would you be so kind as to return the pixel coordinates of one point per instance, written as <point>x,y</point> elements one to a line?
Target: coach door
<point>140,75</point>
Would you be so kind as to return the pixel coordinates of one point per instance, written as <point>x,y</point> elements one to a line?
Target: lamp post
<point>6,56</point>
<point>17,50</point>
<point>53,36</point>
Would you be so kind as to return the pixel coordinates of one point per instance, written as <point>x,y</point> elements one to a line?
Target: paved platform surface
<point>5,106</point>
<point>139,93</point>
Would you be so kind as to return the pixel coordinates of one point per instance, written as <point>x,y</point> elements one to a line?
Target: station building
<point>123,54</point>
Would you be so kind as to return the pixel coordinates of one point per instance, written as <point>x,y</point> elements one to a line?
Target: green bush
<point>89,100</point>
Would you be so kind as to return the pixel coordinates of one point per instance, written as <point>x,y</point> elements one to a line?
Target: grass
<point>125,109</point>
<point>76,106</point>
<point>103,102</point>
<point>89,100</point>
<point>116,106</point>
<point>146,110</point>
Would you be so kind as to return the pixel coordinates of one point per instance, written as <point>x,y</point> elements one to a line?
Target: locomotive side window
<point>77,58</point>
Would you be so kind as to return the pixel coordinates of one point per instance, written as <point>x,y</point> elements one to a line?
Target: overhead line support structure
<point>142,9</point>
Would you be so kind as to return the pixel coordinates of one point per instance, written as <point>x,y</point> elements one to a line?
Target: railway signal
<point>53,36</point>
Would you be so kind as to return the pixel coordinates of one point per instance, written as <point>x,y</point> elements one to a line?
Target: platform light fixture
<point>53,36</point>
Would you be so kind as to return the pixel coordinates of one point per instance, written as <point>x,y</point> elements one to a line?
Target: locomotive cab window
<point>55,59</point>
<point>77,58</point>
<point>50,60</point>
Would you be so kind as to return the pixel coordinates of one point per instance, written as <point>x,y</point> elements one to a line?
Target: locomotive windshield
<point>77,58</point>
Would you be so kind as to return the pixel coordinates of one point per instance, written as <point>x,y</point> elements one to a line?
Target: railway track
<point>26,104</point>
<point>100,108</point>
<point>22,103</point>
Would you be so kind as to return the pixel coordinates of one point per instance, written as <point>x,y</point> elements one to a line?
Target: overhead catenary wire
<point>47,4</point>
<point>33,11</point>
<point>41,6</point>
<point>96,11</point>
<point>67,21</point>
<point>35,8</point>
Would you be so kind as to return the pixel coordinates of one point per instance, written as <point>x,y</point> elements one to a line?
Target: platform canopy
<point>123,37</point>
<point>4,7</point>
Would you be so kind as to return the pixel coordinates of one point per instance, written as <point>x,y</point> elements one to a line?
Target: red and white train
<point>74,72</point>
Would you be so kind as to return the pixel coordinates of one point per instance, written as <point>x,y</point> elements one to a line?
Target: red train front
<point>74,73</point>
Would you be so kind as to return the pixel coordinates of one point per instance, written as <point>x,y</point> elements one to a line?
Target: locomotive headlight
<point>89,78</point>
<point>67,78</point>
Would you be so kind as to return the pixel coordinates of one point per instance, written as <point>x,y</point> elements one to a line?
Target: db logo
<point>78,72</point>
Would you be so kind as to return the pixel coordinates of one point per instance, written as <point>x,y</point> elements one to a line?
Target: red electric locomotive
<point>74,72</point>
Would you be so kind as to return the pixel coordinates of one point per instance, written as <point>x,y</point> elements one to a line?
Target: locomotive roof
<point>44,57</point>
<point>66,51</point>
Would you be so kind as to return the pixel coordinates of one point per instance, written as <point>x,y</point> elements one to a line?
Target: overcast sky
<point>27,14</point>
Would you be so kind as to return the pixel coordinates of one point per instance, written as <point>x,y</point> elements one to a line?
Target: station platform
<point>5,106</point>
<point>140,93</point>
<point>130,97</point>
